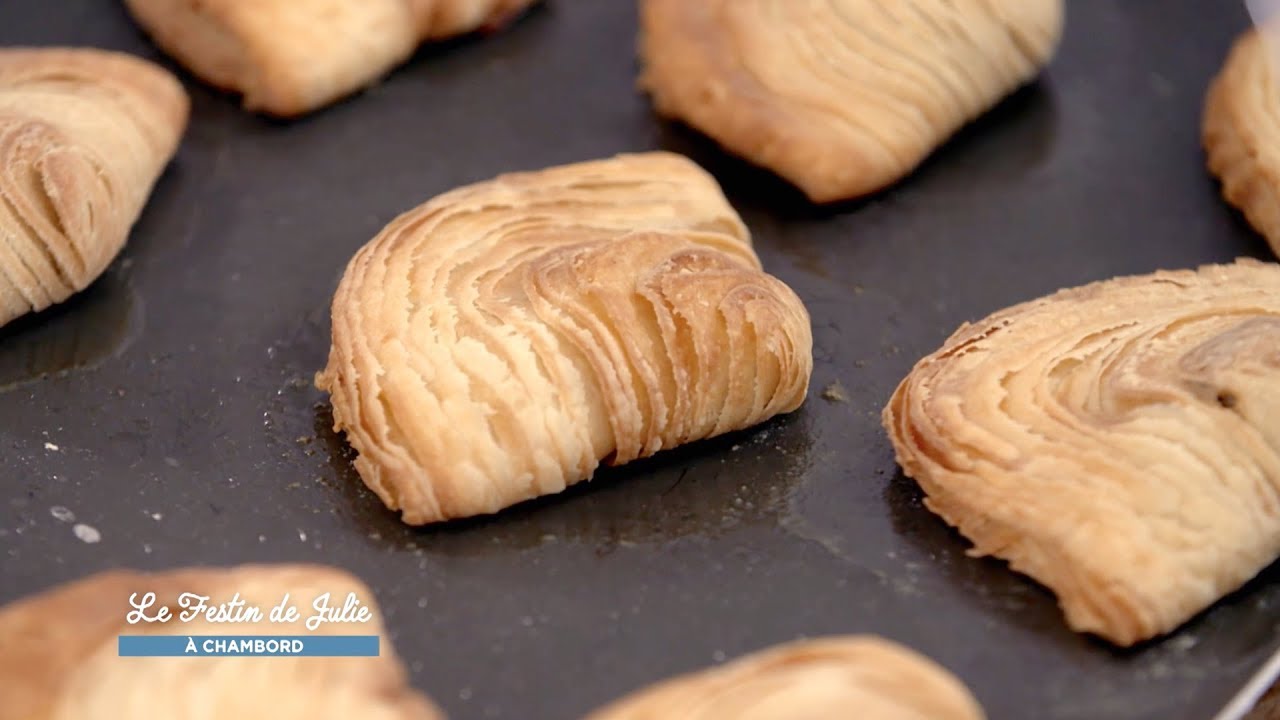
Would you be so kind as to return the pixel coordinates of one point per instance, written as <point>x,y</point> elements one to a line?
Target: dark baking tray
<point>180,384</point>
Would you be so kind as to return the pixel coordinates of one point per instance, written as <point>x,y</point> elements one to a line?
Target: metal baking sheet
<point>171,405</point>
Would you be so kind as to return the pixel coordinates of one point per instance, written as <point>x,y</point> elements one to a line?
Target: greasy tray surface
<point>183,377</point>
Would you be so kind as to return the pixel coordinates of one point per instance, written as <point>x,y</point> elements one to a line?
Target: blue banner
<point>249,645</point>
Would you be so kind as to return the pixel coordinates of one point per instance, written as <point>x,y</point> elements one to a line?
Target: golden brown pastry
<point>1118,442</point>
<point>289,57</point>
<point>1241,135</point>
<point>59,657</point>
<point>841,97</point>
<point>858,678</point>
<point>83,136</point>
<point>500,341</point>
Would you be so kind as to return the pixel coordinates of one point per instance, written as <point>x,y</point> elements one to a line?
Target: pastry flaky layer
<point>289,57</point>
<point>59,657</point>
<point>1118,442</point>
<point>1241,134</point>
<point>83,136</point>
<point>500,341</point>
<point>859,678</point>
<point>840,97</point>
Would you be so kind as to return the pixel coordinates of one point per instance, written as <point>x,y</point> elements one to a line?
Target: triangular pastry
<point>1241,134</point>
<point>59,656</point>
<point>1118,442</point>
<point>289,57</point>
<point>502,340</point>
<point>83,136</point>
<point>836,678</point>
<point>840,97</point>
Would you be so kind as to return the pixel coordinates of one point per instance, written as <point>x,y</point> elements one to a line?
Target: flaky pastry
<point>83,136</point>
<point>1241,134</point>
<point>859,678</point>
<point>290,57</point>
<point>59,656</point>
<point>840,97</point>
<point>1118,442</point>
<point>500,341</point>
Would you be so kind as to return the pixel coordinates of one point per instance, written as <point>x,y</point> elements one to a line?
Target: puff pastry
<point>859,678</point>
<point>83,136</point>
<point>59,661</point>
<point>500,341</point>
<point>289,57</point>
<point>1240,133</point>
<point>1118,442</point>
<point>840,97</point>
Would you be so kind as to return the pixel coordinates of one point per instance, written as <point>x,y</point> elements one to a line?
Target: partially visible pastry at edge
<point>841,98</point>
<point>59,658</point>
<point>1118,442</point>
<point>1241,134</point>
<point>502,340</point>
<point>289,57</point>
<point>83,136</point>
<point>1268,708</point>
<point>858,678</point>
